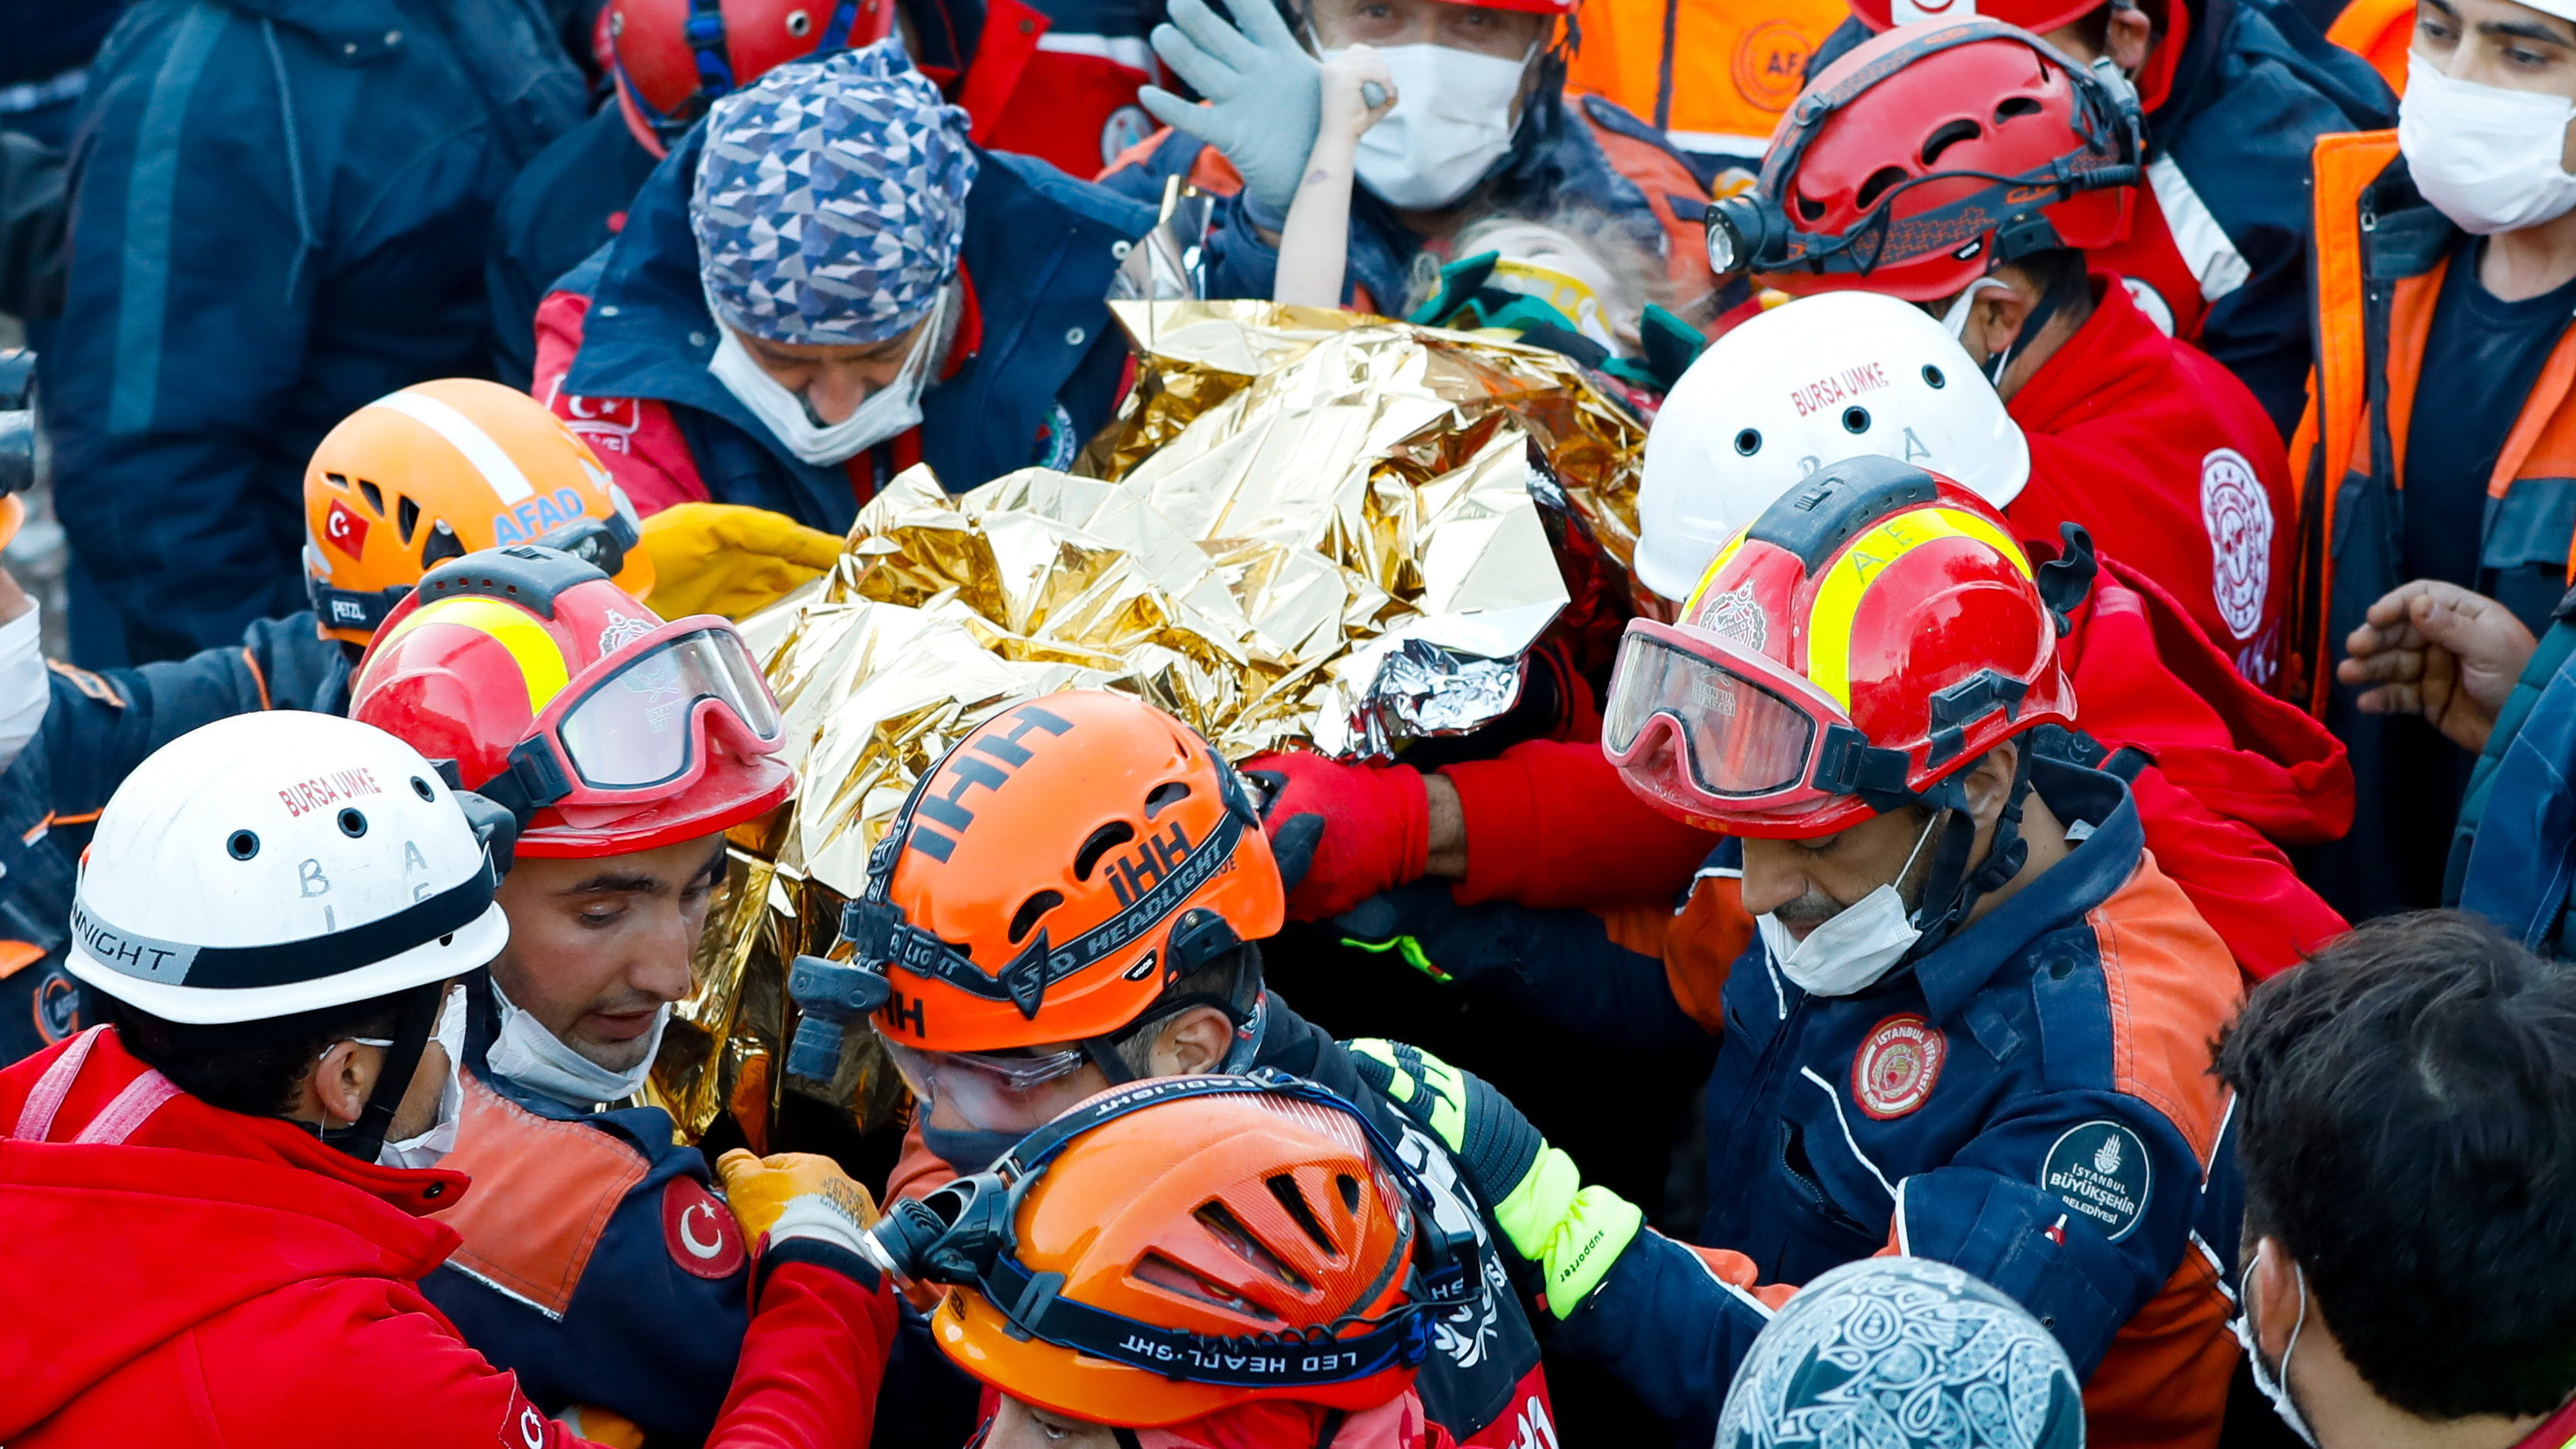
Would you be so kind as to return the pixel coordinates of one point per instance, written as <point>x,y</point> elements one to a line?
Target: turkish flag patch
<point>524,1426</point>
<point>700,1230</point>
<point>343,529</point>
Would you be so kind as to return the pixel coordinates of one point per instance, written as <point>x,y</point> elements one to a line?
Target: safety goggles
<point>1743,735</point>
<point>992,1092</point>
<point>634,726</point>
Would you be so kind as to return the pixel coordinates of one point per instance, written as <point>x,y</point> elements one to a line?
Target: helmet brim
<point>452,955</point>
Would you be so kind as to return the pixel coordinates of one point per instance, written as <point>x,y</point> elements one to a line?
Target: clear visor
<point>1738,739</point>
<point>636,728</point>
<point>989,1092</point>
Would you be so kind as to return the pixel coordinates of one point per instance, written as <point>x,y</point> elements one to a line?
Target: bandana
<point>830,202</point>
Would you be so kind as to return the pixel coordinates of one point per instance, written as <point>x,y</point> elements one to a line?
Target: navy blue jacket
<point>1039,251</point>
<point>2520,817</point>
<point>564,206</point>
<point>2254,88</point>
<point>97,728</point>
<point>1953,1110</point>
<point>599,1265</point>
<point>278,215</point>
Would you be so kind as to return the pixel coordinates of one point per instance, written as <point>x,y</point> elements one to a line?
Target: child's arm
<point>1314,243</point>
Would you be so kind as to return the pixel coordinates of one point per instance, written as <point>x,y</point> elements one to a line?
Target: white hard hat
<point>1811,382</point>
<point>280,862</point>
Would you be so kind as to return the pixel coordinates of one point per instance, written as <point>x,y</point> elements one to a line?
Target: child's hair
<point>1584,245</point>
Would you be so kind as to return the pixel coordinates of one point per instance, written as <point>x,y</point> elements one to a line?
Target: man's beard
<point>1815,907</point>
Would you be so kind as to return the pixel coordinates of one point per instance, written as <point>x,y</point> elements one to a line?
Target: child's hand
<point>1358,92</point>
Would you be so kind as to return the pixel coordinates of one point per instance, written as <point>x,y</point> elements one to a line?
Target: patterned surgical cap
<point>831,199</point>
<point>1891,1353</point>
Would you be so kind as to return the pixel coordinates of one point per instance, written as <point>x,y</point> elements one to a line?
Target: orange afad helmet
<point>443,469</point>
<point>1061,865</point>
<point>1208,1241</point>
<point>557,694</point>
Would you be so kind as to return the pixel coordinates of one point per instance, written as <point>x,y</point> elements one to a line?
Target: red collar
<point>970,327</point>
<point>2115,341</point>
<point>2555,1432</point>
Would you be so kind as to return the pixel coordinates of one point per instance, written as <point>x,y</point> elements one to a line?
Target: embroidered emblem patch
<point>1897,1064</point>
<point>2101,1171</point>
<point>2238,514</point>
<point>1734,614</point>
<point>700,1231</point>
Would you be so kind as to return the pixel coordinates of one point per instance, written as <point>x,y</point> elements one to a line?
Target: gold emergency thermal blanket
<point>1304,526</point>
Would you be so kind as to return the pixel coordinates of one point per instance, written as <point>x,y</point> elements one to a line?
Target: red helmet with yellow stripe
<point>605,729</point>
<point>1862,642</point>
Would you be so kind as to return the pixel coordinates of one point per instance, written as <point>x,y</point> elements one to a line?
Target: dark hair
<point>2063,278</point>
<point>2408,1098</point>
<point>254,1067</point>
<point>1234,978</point>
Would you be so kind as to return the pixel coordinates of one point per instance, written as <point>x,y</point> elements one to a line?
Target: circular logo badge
<point>57,1006</point>
<point>700,1231</point>
<point>1771,64</point>
<point>2238,514</point>
<point>2101,1171</point>
<point>1897,1065</point>
<point>1125,127</point>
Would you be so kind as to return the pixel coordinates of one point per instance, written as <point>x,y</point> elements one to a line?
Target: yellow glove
<point>724,558</point>
<point>758,1189</point>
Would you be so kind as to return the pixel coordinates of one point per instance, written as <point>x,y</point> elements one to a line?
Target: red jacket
<point>2238,775</point>
<point>2168,461</point>
<point>179,1275</point>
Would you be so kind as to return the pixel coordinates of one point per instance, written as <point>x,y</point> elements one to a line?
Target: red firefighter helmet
<point>607,730</point>
<point>1865,639</point>
<point>2172,28</point>
<point>671,58</point>
<point>1928,157</point>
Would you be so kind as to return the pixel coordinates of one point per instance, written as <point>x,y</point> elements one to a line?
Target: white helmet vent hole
<point>1104,840</point>
<point>242,846</point>
<point>799,24</point>
<point>1855,420</point>
<point>421,788</point>
<point>352,824</point>
<point>1933,379</point>
<point>1748,442</point>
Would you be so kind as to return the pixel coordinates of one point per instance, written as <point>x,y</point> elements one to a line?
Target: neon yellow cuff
<point>1535,1209</point>
<point>1588,1242</point>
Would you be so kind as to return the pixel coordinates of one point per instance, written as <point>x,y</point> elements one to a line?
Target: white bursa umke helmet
<point>1807,383</point>
<point>283,862</point>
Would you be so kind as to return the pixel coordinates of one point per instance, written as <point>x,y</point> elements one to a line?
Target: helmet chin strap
<point>364,1139</point>
<point>1951,883</point>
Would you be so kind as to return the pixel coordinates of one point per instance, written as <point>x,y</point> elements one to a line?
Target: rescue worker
<point>1977,1024</point>
<point>1892,159</point>
<point>276,215</point>
<point>246,1162</point>
<point>2233,93</point>
<point>2236,775</point>
<point>2391,1296</point>
<point>2440,440</point>
<point>1481,126</point>
<point>415,478</point>
<point>597,1263</point>
<point>1191,1222</point>
<point>952,315</point>
<point>667,62</point>
<point>1072,898</point>
<point>1969,1360</point>
<point>1714,78</point>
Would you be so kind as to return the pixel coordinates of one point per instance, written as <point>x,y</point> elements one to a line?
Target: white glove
<point>1265,92</point>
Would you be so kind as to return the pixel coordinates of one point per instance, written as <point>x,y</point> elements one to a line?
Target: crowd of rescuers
<point>1893,977</point>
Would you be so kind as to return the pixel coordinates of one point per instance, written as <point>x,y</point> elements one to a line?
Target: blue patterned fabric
<point>1887,1353</point>
<point>830,204</point>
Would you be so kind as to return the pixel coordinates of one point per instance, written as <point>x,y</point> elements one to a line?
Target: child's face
<point>1507,34</point>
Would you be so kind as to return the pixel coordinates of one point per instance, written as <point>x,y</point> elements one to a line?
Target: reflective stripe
<point>541,661</point>
<point>36,1118</point>
<point>1690,605</point>
<point>129,1110</point>
<point>467,437</point>
<point>151,194</point>
<point>1847,580</point>
<point>2205,246</point>
<point>1127,50</point>
<point>1719,142</point>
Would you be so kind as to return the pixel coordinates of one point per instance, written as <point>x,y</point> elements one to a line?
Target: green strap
<point>1405,946</point>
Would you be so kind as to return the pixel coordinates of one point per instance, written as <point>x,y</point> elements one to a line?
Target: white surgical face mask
<point>2486,158</point>
<point>25,691</point>
<point>1855,947</point>
<point>533,1057</point>
<point>1452,121</point>
<point>2274,1386</point>
<point>1955,321</point>
<point>432,1146</point>
<point>882,414</point>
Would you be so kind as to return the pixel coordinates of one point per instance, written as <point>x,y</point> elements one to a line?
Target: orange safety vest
<point>2379,31</point>
<point>2380,254</point>
<point>1713,75</point>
